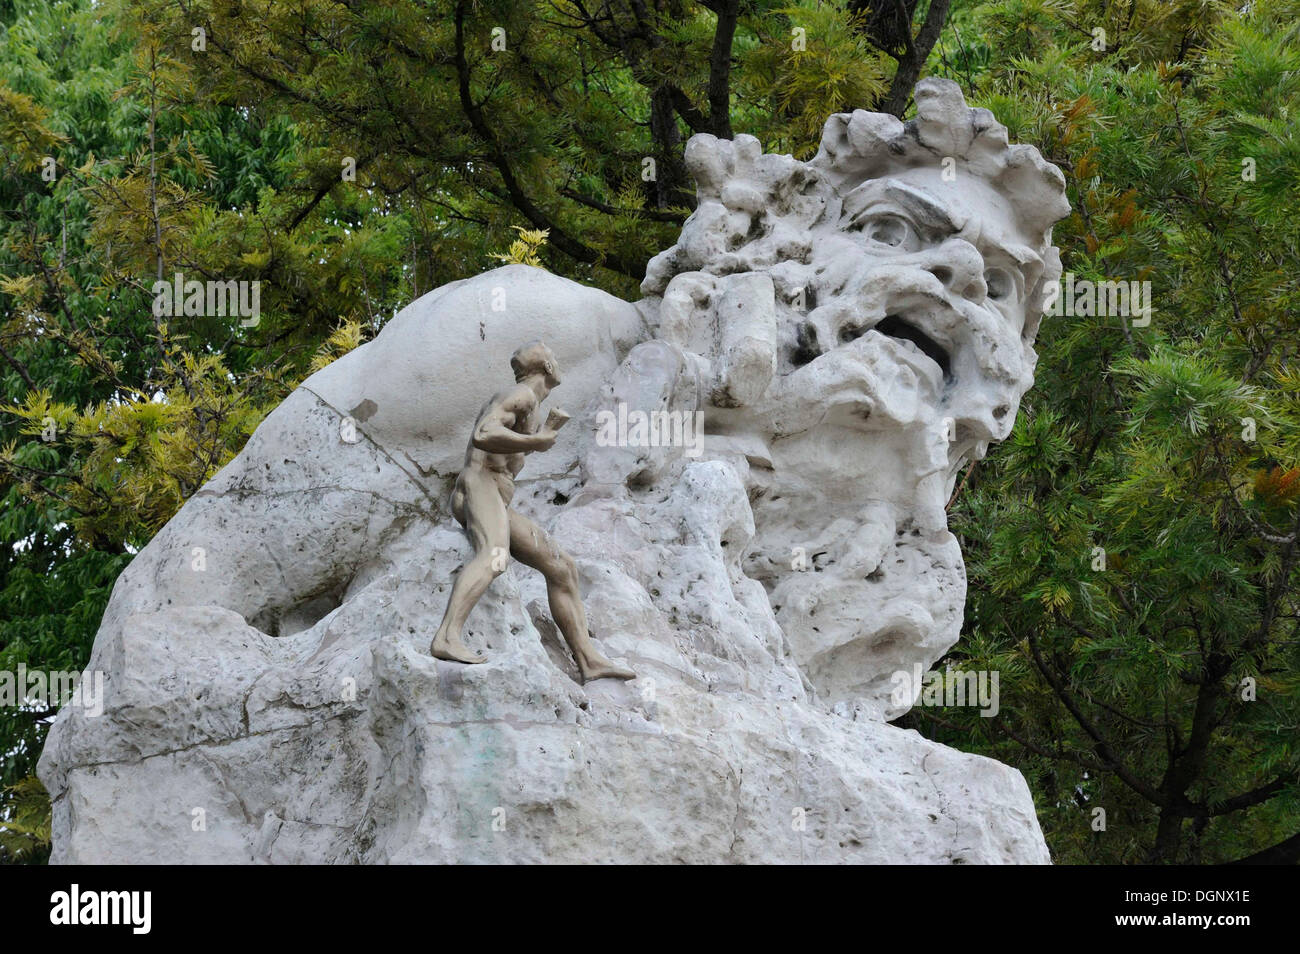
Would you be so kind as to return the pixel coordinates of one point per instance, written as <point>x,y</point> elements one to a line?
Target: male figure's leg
<point>532,546</point>
<point>488,526</point>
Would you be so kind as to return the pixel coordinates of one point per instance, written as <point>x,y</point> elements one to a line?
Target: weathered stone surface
<point>269,696</point>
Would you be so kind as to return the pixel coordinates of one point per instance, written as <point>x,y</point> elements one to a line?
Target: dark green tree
<point>1132,551</point>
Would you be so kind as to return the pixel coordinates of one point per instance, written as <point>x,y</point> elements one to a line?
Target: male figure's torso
<point>517,402</point>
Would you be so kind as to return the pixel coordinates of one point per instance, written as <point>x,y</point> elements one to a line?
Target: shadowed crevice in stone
<point>806,345</point>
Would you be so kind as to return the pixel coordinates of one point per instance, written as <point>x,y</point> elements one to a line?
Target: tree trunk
<point>914,57</point>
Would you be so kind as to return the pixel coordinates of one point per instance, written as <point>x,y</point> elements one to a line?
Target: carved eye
<point>1001,284</point>
<point>888,230</point>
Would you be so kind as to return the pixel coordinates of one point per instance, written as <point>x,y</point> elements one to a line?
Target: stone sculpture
<point>850,329</point>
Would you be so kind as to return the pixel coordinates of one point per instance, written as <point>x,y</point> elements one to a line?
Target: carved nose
<point>960,267</point>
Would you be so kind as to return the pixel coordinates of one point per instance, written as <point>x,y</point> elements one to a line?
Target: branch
<point>654,214</point>
<point>909,68</point>
<point>720,68</point>
<point>478,122</point>
<point>1255,796</point>
<point>1100,745</point>
<point>22,372</point>
<point>691,114</point>
<point>1283,853</point>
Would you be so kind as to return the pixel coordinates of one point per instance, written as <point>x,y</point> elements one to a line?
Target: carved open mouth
<point>896,327</point>
<point>807,347</point>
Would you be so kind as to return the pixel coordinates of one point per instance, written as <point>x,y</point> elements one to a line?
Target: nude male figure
<point>506,430</point>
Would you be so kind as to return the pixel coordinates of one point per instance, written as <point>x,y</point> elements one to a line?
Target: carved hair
<point>858,146</point>
<point>759,209</point>
<point>533,358</point>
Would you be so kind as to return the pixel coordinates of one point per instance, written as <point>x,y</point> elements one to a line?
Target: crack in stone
<point>380,447</point>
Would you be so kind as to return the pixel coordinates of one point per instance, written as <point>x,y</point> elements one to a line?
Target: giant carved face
<point>870,317</point>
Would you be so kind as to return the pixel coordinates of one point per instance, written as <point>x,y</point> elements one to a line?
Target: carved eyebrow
<point>929,213</point>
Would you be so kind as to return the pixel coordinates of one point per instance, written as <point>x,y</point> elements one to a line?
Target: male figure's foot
<point>453,650</point>
<point>596,666</point>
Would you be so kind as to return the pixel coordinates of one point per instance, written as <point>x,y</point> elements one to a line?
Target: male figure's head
<point>535,360</point>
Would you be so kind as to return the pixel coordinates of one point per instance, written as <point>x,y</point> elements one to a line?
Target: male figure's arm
<point>495,432</point>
